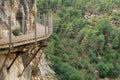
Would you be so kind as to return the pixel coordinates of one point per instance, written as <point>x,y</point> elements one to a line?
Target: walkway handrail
<point>29,38</point>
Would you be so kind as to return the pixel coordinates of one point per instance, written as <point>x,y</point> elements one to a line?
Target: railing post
<point>51,22</point>
<point>23,24</point>
<point>10,34</point>
<point>44,17</point>
<point>51,26</point>
<point>48,23</point>
<point>35,31</point>
<point>47,16</point>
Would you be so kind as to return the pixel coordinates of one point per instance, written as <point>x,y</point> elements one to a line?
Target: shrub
<point>16,32</point>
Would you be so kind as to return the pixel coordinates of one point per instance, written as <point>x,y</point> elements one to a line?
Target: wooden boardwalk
<point>42,33</point>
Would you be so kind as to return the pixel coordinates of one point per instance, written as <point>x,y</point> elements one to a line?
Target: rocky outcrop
<point>22,13</point>
<point>41,69</point>
<point>37,70</point>
<point>14,71</point>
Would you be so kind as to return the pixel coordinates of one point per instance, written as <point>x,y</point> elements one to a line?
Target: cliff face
<point>37,70</point>
<point>22,13</point>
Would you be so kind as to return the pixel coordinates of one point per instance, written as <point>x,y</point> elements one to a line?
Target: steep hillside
<point>86,40</point>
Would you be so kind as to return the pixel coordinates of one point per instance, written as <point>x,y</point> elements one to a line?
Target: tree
<point>103,69</point>
<point>104,27</point>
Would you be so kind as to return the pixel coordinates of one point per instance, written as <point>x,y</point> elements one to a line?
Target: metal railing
<point>38,33</point>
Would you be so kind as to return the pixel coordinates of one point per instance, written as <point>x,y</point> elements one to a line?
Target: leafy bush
<point>16,32</point>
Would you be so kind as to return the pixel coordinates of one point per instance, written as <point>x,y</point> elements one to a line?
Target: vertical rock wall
<point>15,70</point>
<point>22,13</point>
<point>38,69</point>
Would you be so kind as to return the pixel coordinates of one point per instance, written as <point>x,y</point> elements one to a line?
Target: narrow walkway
<point>41,34</point>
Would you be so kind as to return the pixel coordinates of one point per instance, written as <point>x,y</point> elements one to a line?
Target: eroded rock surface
<point>22,13</point>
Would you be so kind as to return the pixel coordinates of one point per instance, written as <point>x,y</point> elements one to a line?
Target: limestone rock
<point>44,72</point>
<point>22,14</point>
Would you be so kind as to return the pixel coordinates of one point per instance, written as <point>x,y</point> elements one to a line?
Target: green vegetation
<point>85,44</point>
<point>16,32</point>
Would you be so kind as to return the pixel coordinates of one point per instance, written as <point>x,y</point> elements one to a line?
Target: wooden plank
<point>26,39</point>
